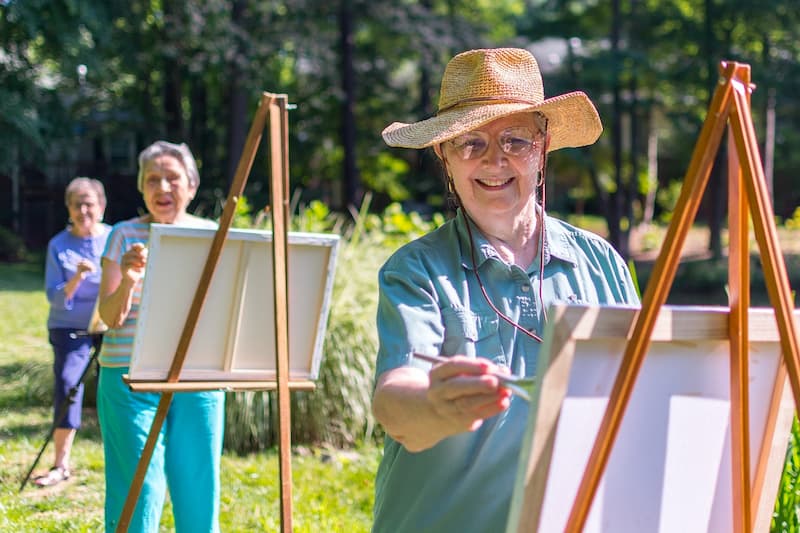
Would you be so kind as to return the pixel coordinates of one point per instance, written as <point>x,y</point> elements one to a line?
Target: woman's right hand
<point>133,262</point>
<point>463,392</point>
<point>418,409</point>
<point>84,268</point>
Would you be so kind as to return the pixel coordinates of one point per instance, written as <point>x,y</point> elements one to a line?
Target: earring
<point>451,187</point>
<point>452,195</point>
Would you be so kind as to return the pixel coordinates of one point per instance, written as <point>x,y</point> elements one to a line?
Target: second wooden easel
<point>274,107</point>
<point>747,194</point>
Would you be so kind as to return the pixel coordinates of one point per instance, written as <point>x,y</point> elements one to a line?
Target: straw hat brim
<point>572,121</point>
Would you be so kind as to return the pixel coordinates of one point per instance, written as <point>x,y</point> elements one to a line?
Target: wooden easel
<point>747,193</point>
<point>274,107</point>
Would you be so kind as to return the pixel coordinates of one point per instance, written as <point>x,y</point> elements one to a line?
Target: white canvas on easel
<point>670,467</point>
<point>235,335</point>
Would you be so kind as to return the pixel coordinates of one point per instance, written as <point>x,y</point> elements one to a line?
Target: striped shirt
<point>118,342</point>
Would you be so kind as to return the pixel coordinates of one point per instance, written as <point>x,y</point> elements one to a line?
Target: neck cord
<point>542,233</point>
<point>483,288</point>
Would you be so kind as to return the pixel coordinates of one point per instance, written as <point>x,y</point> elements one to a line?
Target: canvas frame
<point>235,336</point>
<point>546,485</point>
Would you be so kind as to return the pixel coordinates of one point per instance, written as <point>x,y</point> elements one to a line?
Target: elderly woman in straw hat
<point>475,292</point>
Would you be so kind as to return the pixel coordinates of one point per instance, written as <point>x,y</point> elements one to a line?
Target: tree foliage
<point>75,71</point>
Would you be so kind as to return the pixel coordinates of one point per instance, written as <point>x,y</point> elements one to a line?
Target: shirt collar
<point>555,243</point>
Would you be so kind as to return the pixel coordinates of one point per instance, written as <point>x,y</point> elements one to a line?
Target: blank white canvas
<point>670,466</point>
<point>235,334</point>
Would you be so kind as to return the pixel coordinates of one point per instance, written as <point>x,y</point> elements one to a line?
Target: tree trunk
<point>198,130</point>
<point>348,127</point>
<point>237,100</point>
<point>172,101</point>
<point>605,201</point>
<point>615,211</point>
<point>769,145</point>
<point>716,190</point>
<point>426,165</point>
<point>652,170</point>
<point>632,192</point>
<point>769,134</point>
<point>172,81</point>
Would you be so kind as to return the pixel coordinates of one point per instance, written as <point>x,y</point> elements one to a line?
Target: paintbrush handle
<point>516,384</point>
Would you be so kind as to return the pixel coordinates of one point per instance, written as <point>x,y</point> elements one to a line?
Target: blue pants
<point>186,456</point>
<point>71,357</point>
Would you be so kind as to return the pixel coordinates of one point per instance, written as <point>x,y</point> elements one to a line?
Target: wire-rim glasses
<point>514,141</point>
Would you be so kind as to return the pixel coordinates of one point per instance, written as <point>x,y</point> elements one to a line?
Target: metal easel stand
<point>97,342</point>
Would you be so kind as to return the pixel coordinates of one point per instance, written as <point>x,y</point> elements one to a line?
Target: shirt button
<point>525,288</point>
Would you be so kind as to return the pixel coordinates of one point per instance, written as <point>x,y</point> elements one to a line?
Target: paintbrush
<point>520,386</point>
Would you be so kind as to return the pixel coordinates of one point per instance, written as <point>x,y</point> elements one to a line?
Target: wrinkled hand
<point>463,392</point>
<point>133,262</point>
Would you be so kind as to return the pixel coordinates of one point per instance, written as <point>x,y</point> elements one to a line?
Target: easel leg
<point>654,298</point>
<point>776,277</point>
<point>739,302</point>
<point>279,185</point>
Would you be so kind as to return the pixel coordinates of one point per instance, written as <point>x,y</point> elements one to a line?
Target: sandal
<point>56,475</point>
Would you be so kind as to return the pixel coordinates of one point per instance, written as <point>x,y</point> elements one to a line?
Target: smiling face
<point>497,187</point>
<point>85,211</point>
<point>166,189</point>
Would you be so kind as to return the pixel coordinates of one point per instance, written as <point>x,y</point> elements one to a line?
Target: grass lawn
<point>331,490</point>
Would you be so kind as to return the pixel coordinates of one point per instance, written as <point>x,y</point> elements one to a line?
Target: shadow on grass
<point>25,384</point>
<point>30,384</point>
<point>27,276</point>
<point>36,429</point>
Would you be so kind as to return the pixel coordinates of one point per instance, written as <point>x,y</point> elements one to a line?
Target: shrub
<point>785,514</point>
<point>794,221</point>
<point>338,412</point>
<point>12,247</point>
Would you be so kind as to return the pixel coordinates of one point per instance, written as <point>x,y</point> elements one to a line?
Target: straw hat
<point>480,86</point>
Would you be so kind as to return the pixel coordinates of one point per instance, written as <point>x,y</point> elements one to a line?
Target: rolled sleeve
<point>408,321</point>
<point>54,282</point>
<point>114,245</point>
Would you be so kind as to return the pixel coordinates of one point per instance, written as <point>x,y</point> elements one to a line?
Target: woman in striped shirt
<point>187,454</point>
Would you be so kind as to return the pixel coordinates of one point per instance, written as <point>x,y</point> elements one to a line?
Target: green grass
<point>331,490</point>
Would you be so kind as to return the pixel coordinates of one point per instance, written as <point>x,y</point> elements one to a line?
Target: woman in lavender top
<point>72,279</point>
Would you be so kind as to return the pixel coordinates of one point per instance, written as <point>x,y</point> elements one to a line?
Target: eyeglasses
<point>155,181</point>
<point>514,141</point>
<point>81,204</point>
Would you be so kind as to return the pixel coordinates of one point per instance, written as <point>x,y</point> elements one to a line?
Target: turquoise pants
<point>186,457</point>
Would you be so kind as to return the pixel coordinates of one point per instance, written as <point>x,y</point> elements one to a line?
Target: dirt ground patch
<point>702,279</point>
<point>646,243</point>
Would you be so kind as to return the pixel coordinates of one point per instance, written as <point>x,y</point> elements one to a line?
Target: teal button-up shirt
<point>431,302</point>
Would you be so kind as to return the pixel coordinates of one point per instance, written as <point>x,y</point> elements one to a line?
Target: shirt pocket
<point>471,334</point>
